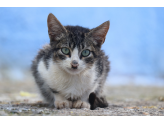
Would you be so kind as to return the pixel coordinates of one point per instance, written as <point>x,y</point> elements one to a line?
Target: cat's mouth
<point>73,70</point>
<point>74,67</point>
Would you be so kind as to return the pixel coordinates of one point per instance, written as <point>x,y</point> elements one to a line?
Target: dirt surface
<point>22,99</point>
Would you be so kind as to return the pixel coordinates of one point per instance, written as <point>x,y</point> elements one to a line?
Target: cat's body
<point>72,66</point>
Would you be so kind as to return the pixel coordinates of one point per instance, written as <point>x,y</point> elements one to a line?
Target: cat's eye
<point>85,53</point>
<point>65,50</point>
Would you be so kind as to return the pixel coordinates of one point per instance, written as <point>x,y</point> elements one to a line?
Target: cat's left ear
<point>55,29</point>
<point>98,34</point>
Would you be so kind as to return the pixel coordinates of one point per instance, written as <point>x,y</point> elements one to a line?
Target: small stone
<point>2,113</point>
<point>9,109</point>
<point>33,110</point>
<point>20,110</point>
<point>25,109</point>
<point>74,109</point>
<point>107,108</point>
<point>131,107</point>
<point>161,98</point>
<point>161,112</point>
<point>39,111</point>
<point>45,109</point>
<point>149,107</point>
<point>15,111</point>
<point>85,109</point>
<point>14,108</point>
<point>46,112</point>
<point>97,108</point>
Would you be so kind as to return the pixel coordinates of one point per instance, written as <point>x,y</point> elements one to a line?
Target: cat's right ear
<point>56,30</point>
<point>98,34</point>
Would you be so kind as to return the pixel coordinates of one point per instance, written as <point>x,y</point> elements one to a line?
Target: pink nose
<point>74,63</point>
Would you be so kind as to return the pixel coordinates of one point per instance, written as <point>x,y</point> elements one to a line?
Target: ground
<point>23,99</point>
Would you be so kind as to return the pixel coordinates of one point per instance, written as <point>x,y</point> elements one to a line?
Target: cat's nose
<point>74,64</point>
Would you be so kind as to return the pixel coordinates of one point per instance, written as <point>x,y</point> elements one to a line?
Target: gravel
<point>142,108</point>
<point>123,101</point>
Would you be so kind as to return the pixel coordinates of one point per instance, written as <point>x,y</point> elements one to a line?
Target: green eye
<point>85,53</point>
<point>65,51</point>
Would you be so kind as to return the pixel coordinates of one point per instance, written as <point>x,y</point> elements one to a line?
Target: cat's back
<point>102,65</point>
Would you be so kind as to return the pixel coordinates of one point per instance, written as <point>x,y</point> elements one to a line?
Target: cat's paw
<point>63,104</point>
<point>80,104</point>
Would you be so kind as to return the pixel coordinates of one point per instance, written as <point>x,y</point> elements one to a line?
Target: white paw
<point>80,104</point>
<point>63,104</point>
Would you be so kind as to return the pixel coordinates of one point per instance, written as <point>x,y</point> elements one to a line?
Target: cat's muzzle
<point>74,64</point>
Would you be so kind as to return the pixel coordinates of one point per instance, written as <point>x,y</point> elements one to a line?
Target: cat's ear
<point>98,34</point>
<point>55,29</point>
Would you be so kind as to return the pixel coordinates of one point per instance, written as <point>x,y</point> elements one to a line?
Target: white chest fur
<point>68,85</point>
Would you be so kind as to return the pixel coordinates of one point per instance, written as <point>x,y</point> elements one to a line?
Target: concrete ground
<point>23,99</point>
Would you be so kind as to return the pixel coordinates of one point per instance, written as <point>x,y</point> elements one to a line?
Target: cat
<point>72,65</point>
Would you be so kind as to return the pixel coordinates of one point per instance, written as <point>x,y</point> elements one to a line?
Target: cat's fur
<point>59,83</point>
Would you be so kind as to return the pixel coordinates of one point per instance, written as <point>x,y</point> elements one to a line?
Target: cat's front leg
<point>83,102</point>
<point>61,102</point>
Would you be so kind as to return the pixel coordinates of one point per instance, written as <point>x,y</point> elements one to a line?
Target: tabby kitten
<point>72,66</point>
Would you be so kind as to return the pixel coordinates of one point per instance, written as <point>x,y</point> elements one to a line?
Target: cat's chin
<point>73,71</point>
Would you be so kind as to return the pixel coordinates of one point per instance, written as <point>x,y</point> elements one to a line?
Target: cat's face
<point>75,48</point>
<point>74,58</point>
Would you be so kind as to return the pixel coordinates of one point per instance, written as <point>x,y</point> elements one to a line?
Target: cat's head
<point>75,49</point>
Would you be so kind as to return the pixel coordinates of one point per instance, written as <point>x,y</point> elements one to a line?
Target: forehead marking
<point>75,54</point>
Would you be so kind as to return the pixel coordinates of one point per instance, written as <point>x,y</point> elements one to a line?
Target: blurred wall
<point>134,42</point>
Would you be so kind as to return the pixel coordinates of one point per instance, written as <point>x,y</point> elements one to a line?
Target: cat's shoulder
<point>43,54</point>
<point>44,51</point>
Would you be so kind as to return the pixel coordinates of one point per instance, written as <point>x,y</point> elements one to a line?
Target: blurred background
<point>134,43</point>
